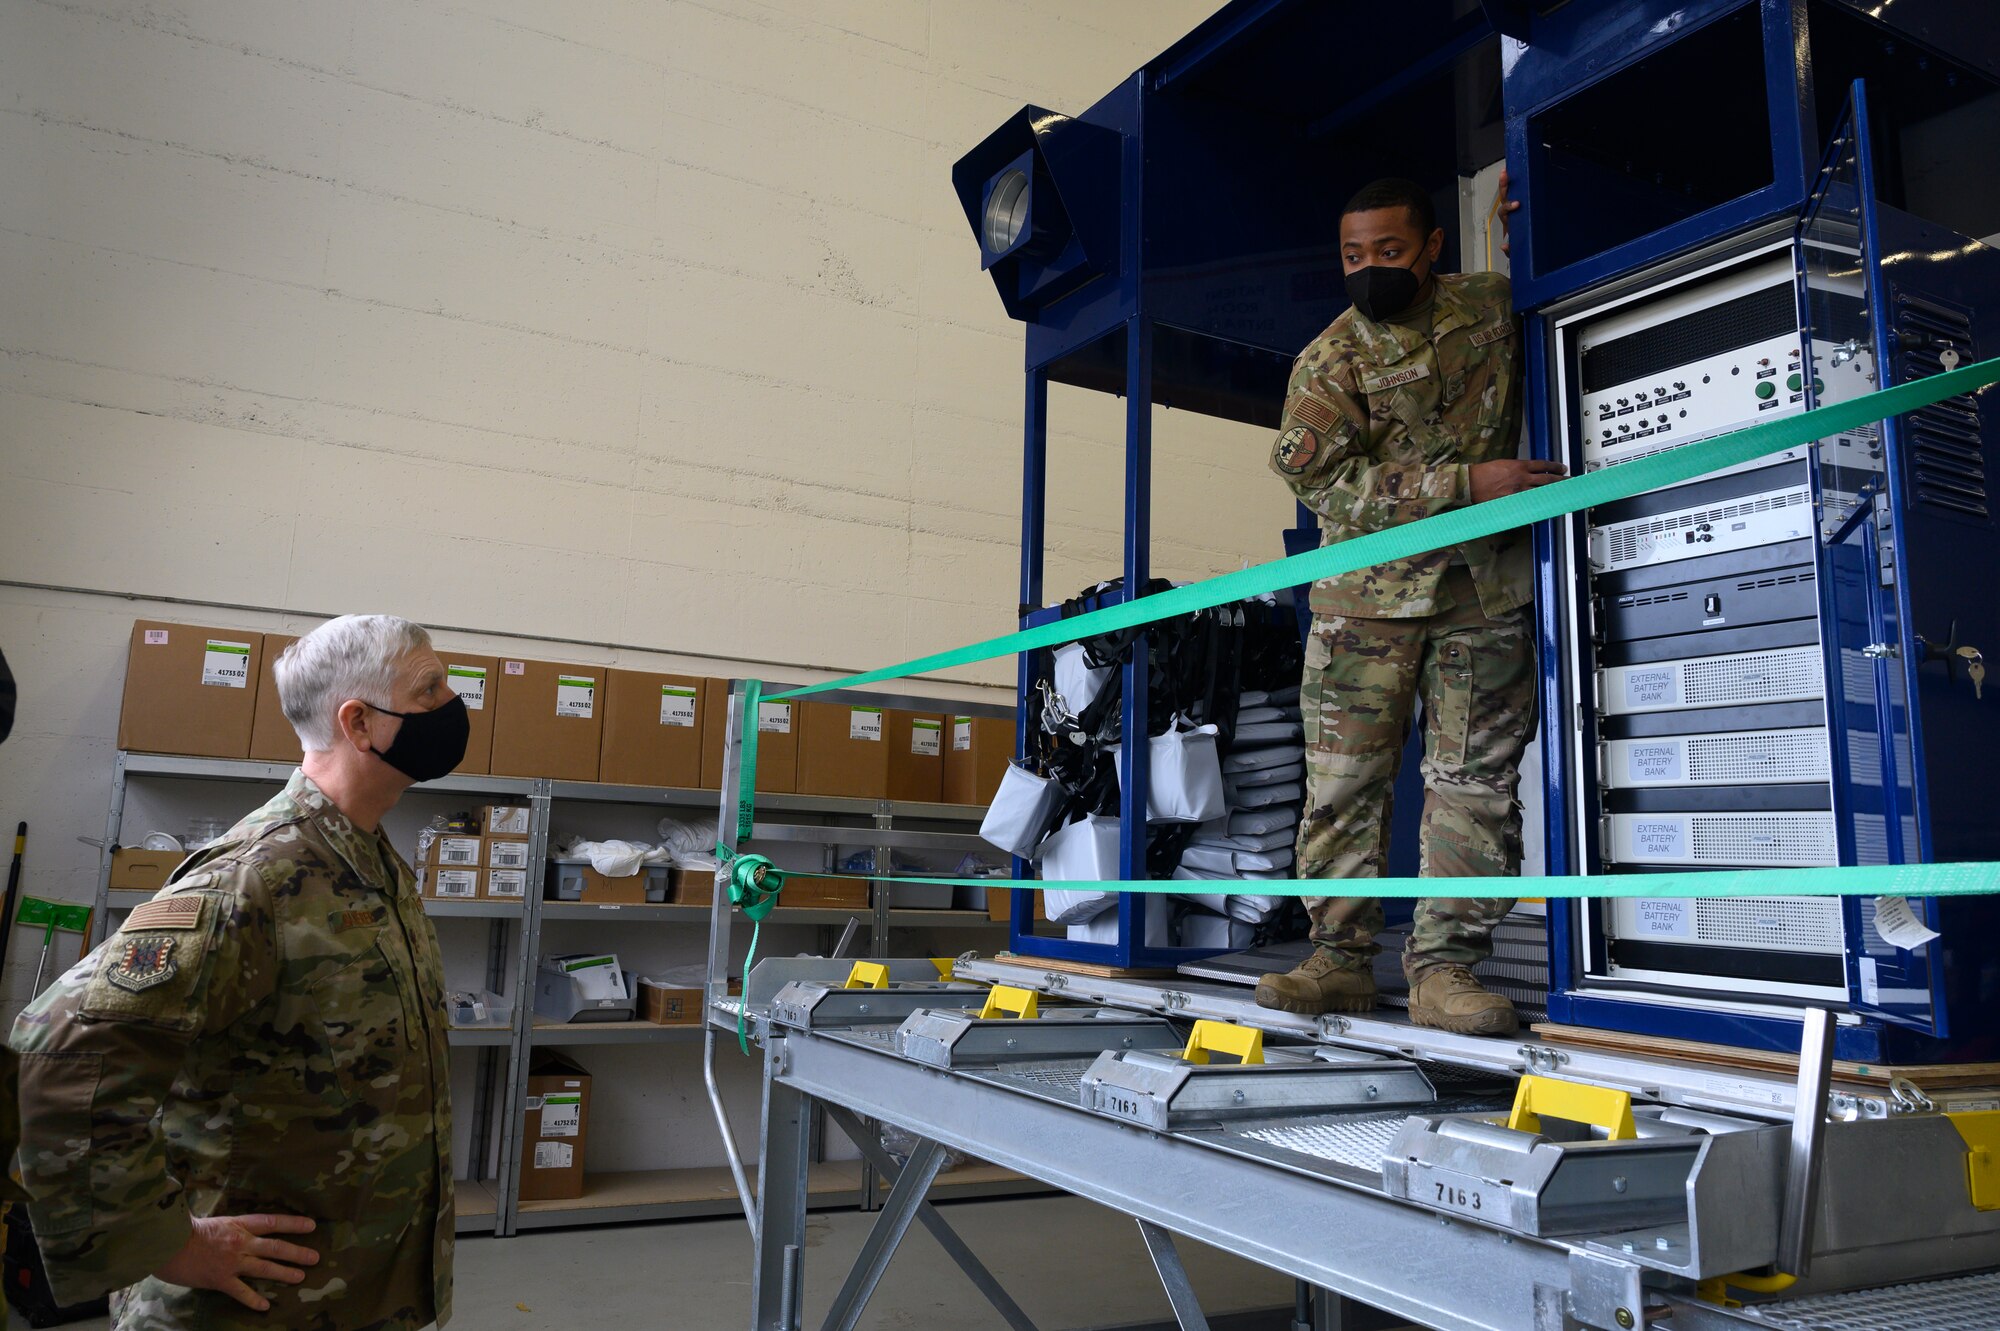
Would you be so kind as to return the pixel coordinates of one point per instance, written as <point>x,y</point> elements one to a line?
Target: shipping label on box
<point>456,884</point>
<point>864,723</point>
<point>226,664</point>
<point>517,667</point>
<point>507,884</point>
<point>576,695</point>
<point>677,705</point>
<point>469,683</point>
<point>926,738</point>
<point>156,637</point>
<point>553,1155</point>
<point>562,1115</point>
<point>774,718</point>
<point>506,853</point>
<point>961,734</point>
<point>451,851</point>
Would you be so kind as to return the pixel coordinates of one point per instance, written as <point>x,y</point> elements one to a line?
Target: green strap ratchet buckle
<point>754,885</point>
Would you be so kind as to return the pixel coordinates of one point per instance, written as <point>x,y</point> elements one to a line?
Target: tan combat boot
<point>1318,984</point>
<point>1451,1000</point>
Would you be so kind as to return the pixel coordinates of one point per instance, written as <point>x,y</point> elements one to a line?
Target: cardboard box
<point>652,729</point>
<point>1000,904</point>
<point>916,756</point>
<point>471,678</point>
<point>455,850</point>
<point>556,1128</point>
<point>190,690</point>
<point>777,741</point>
<point>504,885</point>
<point>451,884</point>
<point>504,820</point>
<point>976,753</point>
<point>548,720</point>
<point>843,751</point>
<point>272,739</point>
<point>599,889</point>
<point>505,852</point>
<point>692,887</point>
<point>809,891</point>
<point>134,870</point>
<point>668,1005</point>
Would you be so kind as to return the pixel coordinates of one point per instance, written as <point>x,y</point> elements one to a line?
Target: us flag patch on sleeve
<point>1309,410</point>
<point>175,912</point>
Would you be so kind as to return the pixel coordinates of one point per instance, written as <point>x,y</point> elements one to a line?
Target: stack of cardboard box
<point>481,857</point>
<point>211,692</point>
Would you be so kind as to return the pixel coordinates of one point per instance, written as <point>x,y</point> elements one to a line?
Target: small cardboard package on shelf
<point>451,884</point>
<point>504,885</point>
<point>556,1128</point>
<point>652,729</point>
<point>672,998</point>
<point>190,690</point>
<point>504,820</point>
<point>505,852</point>
<point>576,880</point>
<point>976,755</point>
<point>777,741</point>
<point>916,756</point>
<point>548,720</point>
<point>843,751</point>
<point>693,887</point>
<point>272,739</point>
<point>136,870</point>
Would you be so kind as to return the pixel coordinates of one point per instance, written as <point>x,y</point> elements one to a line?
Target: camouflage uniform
<point>1382,424</point>
<point>267,1034</point>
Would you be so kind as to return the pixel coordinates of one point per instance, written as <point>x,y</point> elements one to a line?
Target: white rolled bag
<point>1085,851</point>
<point>1184,777</point>
<point>1023,810</point>
<point>1076,679</point>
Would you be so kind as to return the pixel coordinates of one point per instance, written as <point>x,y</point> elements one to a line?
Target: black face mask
<point>430,744</point>
<point>1378,291</point>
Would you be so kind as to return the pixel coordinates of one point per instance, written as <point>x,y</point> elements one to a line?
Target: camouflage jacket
<point>268,1034</point>
<point>1381,425</point>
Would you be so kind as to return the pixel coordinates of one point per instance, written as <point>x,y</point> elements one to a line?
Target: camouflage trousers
<point>1476,676</point>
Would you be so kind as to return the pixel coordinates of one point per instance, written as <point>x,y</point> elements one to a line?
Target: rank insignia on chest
<point>143,963</point>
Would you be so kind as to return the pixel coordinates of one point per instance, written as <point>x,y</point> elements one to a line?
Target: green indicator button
<point>1795,383</point>
<point>1767,389</point>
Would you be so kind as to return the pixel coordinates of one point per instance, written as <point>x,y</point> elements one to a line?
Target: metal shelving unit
<point>492,1205</point>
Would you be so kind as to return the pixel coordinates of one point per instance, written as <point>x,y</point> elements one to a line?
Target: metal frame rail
<point>1604,1232</point>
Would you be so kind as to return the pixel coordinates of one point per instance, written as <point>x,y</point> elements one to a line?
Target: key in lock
<point>1975,670</point>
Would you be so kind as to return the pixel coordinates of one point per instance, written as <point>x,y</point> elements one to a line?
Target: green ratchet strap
<point>1608,485</point>
<point>1884,880</point>
<point>1458,526</point>
<point>754,885</point>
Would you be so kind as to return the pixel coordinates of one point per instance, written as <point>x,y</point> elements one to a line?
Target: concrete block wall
<point>649,325</point>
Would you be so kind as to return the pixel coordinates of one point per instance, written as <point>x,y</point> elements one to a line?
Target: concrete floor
<point>1069,1263</point>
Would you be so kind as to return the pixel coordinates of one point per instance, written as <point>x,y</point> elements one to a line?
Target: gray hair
<point>355,656</point>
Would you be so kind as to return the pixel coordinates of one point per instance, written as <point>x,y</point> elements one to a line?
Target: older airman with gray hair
<point>236,1113</point>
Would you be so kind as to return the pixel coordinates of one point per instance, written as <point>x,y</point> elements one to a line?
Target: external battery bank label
<point>1655,762</point>
<point>1657,687</point>
<point>1659,839</point>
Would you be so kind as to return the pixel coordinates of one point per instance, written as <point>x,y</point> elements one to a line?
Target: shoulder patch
<point>1395,378</point>
<point>181,911</point>
<point>139,962</point>
<point>1296,449</point>
<point>1481,337</point>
